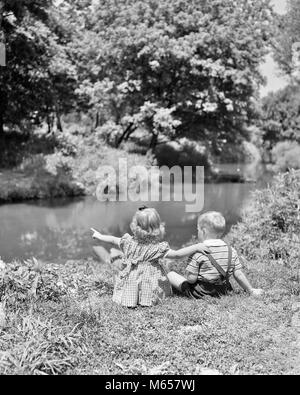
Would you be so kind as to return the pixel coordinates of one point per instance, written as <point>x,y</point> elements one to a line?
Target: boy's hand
<point>96,234</point>
<point>257,292</point>
<point>203,248</point>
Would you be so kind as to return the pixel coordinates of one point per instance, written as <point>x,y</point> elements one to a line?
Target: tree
<point>281,116</point>
<point>174,68</point>
<point>39,77</point>
<point>287,40</point>
<point>281,110</point>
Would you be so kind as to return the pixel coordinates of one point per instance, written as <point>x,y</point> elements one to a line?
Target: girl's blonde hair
<point>146,225</point>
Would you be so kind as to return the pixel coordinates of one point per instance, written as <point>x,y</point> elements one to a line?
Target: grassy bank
<point>67,169</point>
<point>17,185</point>
<point>61,320</point>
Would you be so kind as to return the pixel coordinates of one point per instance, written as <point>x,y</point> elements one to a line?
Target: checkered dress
<point>142,281</point>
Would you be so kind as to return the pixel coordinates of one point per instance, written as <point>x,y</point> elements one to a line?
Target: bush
<point>92,153</point>
<point>16,147</point>
<point>50,176</point>
<point>33,281</point>
<point>270,226</point>
<point>21,283</point>
<point>286,155</point>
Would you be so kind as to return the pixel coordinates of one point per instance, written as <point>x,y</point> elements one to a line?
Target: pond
<point>58,230</point>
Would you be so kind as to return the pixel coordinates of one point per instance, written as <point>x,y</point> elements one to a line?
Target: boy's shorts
<point>201,289</point>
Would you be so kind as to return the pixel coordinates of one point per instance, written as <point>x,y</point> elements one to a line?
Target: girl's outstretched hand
<point>105,238</point>
<point>203,248</point>
<point>96,234</point>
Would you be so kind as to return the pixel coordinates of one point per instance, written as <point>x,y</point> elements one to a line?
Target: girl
<point>142,280</point>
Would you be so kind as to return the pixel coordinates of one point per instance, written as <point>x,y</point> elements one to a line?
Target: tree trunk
<point>49,124</point>
<point>125,136</point>
<point>153,142</point>
<point>97,120</point>
<point>58,120</point>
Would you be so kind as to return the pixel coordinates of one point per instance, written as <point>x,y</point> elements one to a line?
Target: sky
<point>269,69</point>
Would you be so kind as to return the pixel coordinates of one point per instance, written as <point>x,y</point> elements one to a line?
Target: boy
<point>208,275</point>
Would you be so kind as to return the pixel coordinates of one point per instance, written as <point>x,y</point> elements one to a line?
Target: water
<point>59,230</point>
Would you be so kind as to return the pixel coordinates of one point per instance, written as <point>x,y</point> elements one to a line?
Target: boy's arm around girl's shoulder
<point>187,251</point>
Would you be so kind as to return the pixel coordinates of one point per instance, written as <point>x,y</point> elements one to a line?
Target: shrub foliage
<point>270,227</point>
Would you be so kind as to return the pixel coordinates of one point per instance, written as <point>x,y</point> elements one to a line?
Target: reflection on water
<point>60,229</point>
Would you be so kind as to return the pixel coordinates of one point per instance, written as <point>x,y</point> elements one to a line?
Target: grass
<point>66,323</point>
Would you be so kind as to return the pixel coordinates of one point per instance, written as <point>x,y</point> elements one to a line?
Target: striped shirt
<point>200,265</point>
